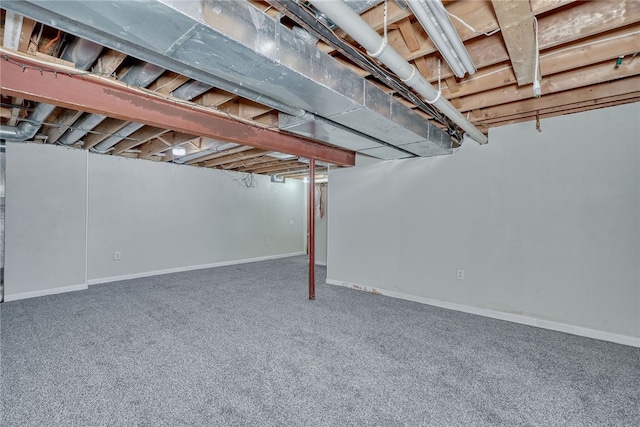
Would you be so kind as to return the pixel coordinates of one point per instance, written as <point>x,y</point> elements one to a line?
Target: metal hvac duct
<point>343,16</point>
<point>81,52</point>
<point>187,92</point>
<point>236,47</point>
<point>142,75</point>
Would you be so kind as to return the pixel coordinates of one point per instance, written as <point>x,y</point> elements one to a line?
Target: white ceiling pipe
<point>430,11</point>
<point>435,31</point>
<point>453,43</point>
<point>344,17</point>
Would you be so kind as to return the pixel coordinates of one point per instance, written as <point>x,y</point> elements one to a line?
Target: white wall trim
<point>524,320</point>
<point>188,268</point>
<point>44,292</point>
<point>321,263</point>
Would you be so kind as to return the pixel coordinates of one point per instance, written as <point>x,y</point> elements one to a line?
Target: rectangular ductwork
<point>236,47</point>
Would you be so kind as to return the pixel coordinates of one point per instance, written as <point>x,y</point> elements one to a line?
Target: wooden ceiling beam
<point>214,98</point>
<point>283,170</point>
<point>61,124</point>
<point>486,51</point>
<point>301,173</point>
<point>248,109</point>
<point>564,109</point>
<point>518,32</point>
<point>25,34</point>
<point>265,161</point>
<point>164,142</point>
<point>284,165</point>
<point>168,82</point>
<point>219,154</point>
<point>543,6</point>
<point>583,94</point>
<point>580,77</point>
<point>587,19</point>
<point>409,35</point>
<point>101,132</point>
<point>479,14</point>
<point>249,154</point>
<point>137,138</point>
<point>164,85</point>
<point>194,146</point>
<point>109,61</point>
<point>55,84</point>
<point>624,41</point>
<point>610,45</point>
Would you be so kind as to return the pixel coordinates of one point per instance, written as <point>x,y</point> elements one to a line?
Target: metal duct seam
<point>81,52</point>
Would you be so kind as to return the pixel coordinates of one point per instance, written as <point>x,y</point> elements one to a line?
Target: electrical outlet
<point>117,255</point>
<point>460,274</point>
<point>267,242</point>
<point>290,223</point>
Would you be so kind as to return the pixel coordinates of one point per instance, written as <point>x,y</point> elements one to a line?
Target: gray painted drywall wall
<point>161,216</point>
<point>545,225</point>
<point>45,218</point>
<point>158,216</point>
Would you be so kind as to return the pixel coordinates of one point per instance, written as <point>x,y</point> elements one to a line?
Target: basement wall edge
<point>500,315</point>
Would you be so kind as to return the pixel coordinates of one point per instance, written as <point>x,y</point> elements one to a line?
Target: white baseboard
<point>51,291</point>
<point>188,268</point>
<point>524,320</point>
<point>321,263</point>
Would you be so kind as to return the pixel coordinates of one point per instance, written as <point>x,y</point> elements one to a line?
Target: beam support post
<point>312,229</point>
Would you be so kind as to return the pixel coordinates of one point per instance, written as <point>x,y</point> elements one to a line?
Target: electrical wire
<point>536,76</point>
<point>246,180</point>
<point>490,33</point>
<point>52,41</point>
<point>535,22</point>
<point>322,30</point>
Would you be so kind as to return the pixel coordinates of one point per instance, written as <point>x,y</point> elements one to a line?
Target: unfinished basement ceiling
<point>240,85</point>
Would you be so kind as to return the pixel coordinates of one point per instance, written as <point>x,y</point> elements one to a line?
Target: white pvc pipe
<point>434,30</point>
<point>440,14</point>
<point>347,19</point>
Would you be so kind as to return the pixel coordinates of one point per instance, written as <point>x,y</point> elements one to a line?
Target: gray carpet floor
<point>243,346</point>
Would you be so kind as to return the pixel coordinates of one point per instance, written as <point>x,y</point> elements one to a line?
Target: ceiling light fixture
<point>179,151</point>
<point>206,152</point>
<point>434,19</point>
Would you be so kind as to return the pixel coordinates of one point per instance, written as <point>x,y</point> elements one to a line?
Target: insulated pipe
<point>81,52</point>
<point>29,126</point>
<point>343,16</point>
<point>312,229</point>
